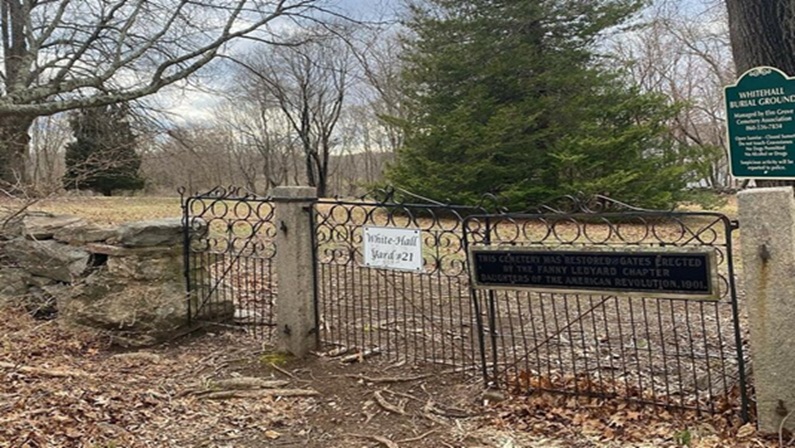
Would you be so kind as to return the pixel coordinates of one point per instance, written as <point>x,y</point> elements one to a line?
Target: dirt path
<point>61,387</point>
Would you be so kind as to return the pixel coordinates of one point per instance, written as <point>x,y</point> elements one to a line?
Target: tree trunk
<point>14,141</point>
<point>763,33</point>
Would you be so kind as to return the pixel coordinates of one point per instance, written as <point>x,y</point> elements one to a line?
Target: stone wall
<point>126,280</point>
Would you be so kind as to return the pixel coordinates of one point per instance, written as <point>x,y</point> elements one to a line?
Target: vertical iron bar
<point>185,203</point>
<point>476,304</point>
<point>664,354</point>
<point>730,227</point>
<point>311,209</point>
<point>492,321</point>
<point>649,348</point>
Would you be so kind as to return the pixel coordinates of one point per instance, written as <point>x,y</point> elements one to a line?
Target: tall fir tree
<point>510,98</point>
<point>103,156</point>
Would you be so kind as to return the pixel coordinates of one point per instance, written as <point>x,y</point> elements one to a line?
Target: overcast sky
<point>196,107</point>
<point>368,7</point>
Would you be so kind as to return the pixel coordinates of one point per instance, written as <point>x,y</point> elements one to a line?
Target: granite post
<point>295,307</point>
<point>767,227</point>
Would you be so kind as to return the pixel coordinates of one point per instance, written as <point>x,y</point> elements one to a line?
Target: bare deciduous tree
<point>307,83</point>
<point>266,148</point>
<point>379,54</point>
<point>688,61</point>
<point>49,136</point>
<point>60,55</point>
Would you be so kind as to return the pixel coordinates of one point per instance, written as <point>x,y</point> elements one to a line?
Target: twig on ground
<point>427,412</point>
<point>139,356</point>
<point>245,382</point>
<point>400,363</point>
<point>449,412</point>
<point>382,440</point>
<point>334,352</point>
<point>403,394</point>
<point>226,394</point>
<point>282,371</point>
<point>54,373</point>
<point>361,356</point>
<point>418,438</point>
<point>386,405</point>
<point>388,379</point>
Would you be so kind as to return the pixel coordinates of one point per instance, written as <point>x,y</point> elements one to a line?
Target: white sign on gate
<point>391,248</point>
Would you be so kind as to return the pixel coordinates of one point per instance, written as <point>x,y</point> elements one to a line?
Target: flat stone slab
<point>119,251</point>
<point>81,233</point>
<point>49,258</point>
<point>157,232</point>
<point>41,225</point>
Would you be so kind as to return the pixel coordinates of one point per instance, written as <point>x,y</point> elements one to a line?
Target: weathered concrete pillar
<point>767,226</point>
<point>295,308</point>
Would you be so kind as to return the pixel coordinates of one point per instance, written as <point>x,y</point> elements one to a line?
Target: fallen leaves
<point>617,423</point>
<point>61,387</point>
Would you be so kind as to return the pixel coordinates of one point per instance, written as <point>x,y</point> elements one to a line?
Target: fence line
<point>675,353</point>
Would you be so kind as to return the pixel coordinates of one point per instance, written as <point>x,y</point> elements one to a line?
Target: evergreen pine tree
<point>509,97</point>
<point>103,157</point>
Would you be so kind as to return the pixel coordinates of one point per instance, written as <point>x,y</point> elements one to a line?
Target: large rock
<point>163,266</point>
<point>13,283</point>
<point>49,258</point>
<point>81,233</point>
<point>134,313</point>
<point>40,225</point>
<point>158,232</point>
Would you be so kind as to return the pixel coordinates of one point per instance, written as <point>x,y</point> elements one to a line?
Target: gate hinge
<point>734,224</point>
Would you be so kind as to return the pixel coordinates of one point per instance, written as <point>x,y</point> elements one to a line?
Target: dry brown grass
<point>112,210</point>
<point>109,210</point>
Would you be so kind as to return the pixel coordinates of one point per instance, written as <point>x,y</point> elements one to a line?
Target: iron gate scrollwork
<point>229,246</point>
<point>421,316</point>
<point>673,352</point>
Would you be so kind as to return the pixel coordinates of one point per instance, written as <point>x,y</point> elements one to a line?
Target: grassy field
<point>113,210</point>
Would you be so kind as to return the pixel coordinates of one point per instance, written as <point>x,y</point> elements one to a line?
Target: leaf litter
<point>67,387</point>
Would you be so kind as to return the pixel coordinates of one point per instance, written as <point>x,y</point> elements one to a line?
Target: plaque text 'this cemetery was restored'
<point>684,273</point>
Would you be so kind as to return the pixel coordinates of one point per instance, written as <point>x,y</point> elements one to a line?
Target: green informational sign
<point>760,116</point>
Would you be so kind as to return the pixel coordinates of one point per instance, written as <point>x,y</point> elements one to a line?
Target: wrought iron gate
<point>410,316</point>
<point>228,251</point>
<point>677,353</point>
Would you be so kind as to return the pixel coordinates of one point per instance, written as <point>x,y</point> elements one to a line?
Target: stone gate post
<point>296,330</point>
<point>767,229</point>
